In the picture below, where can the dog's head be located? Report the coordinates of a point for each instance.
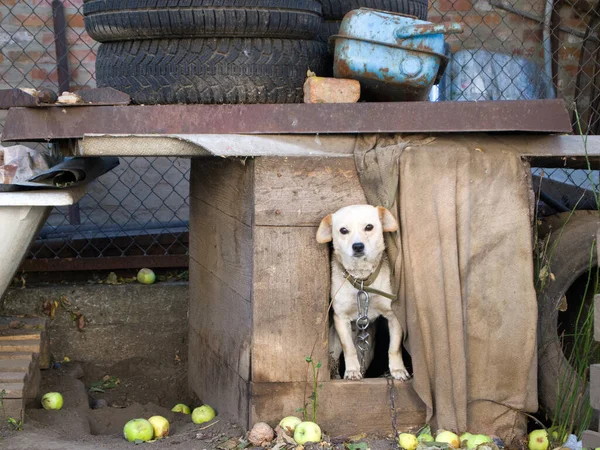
(357, 232)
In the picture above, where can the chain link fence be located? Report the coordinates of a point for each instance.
(139, 210)
(509, 50)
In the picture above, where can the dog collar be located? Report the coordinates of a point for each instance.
(364, 284)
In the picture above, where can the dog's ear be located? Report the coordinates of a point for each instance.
(325, 230)
(387, 219)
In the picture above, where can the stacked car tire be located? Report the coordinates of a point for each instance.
(218, 51)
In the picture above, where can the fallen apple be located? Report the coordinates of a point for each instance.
(260, 434)
(538, 440)
(289, 423)
(425, 437)
(448, 437)
(203, 414)
(138, 430)
(146, 276)
(181, 408)
(464, 437)
(477, 439)
(160, 425)
(52, 401)
(408, 441)
(307, 432)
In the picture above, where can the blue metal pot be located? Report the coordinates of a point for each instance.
(395, 57)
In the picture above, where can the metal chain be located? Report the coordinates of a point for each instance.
(362, 323)
(392, 392)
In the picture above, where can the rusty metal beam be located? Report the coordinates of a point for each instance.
(538, 116)
(105, 263)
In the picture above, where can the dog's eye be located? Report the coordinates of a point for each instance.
(369, 227)
(344, 231)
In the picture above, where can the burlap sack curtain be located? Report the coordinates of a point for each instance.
(463, 266)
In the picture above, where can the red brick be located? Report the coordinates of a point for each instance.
(38, 74)
(31, 20)
(75, 21)
(492, 19)
(331, 90)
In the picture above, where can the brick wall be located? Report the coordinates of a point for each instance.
(27, 56)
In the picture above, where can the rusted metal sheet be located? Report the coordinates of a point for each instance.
(104, 263)
(104, 96)
(11, 98)
(540, 116)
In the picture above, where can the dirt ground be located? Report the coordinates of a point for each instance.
(95, 420)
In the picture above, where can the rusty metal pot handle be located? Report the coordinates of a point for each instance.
(424, 29)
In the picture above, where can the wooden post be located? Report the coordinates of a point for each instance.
(591, 439)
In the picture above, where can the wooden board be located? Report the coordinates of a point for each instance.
(221, 318)
(222, 245)
(216, 384)
(301, 191)
(345, 407)
(291, 294)
(225, 184)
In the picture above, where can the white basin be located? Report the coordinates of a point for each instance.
(22, 214)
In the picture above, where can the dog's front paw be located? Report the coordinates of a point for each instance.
(353, 375)
(400, 374)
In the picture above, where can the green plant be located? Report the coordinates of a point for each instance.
(313, 397)
(16, 424)
(573, 413)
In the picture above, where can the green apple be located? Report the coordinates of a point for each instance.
(477, 439)
(203, 414)
(146, 276)
(538, 440)
(307, 432)
(448, 437)
(464, 437)
(181, 408)
(425, 437)
(408, 441)
(138, 430)
(160, 425)
(52, 401)
(289, 423)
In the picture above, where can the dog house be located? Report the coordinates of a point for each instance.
(260, 293)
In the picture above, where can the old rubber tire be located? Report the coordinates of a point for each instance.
(337, 9)
(327, 29)
(219, 70)
(572, 240)
(118, 20)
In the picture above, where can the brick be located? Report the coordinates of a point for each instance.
(75, 21)
(331, 90)
(31, 20)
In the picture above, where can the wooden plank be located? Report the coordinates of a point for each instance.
(13, 377)
(8, 355)
(13, 390)
(225, 184)
(221, 318)
(216, 384)
(595, 386)
(15, 365)
(345, 407)
(21, 323)
(20, 346)
(591, 439)
(222, 245)
(16, 335)
(301, 191)
(291, 292)
(597, 316)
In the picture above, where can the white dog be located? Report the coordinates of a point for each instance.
(359, 257)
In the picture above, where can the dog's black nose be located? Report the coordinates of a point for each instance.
(358, 247)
